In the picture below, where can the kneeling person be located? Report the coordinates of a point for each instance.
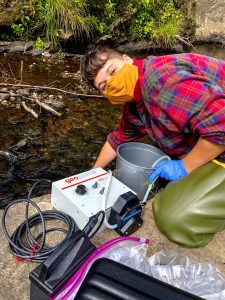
(179, 102)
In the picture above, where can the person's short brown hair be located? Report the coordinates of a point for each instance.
(94, 60)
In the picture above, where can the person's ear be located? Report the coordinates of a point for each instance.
(127, 59)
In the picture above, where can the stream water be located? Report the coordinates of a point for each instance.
(55, 147)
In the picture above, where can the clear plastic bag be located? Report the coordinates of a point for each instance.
(201, 279)
(129, 251)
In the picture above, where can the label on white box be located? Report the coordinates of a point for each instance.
(80, 196)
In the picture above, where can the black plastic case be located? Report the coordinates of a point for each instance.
(49, 277)
(110, 280)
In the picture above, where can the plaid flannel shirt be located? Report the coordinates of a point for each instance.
(178, 98)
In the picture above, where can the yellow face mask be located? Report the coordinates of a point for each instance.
(120, 88)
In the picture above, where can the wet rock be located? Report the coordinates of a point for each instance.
(106, 40)
(34, 52)
(177, 48)
(5, 175)
(4, 102)
(67, 74)
(33, 66)
(17, 47)
(46, 54)
(5, 43)
(78, 56)
(21, 144)
(209, 17)
(28, 46)
(24, 92)
(4, 90)
(4, 96)
(34, 95)
(49, 47)
(11, 158)
(4, 49)
(55, 104)
(146, 47)
(12, 94)
(138, 47)
(12, 99)
(75, 56)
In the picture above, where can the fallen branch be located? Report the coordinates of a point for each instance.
(49, 88)
(29, 110)
(21, 71)
(183, 40)
(48, 108)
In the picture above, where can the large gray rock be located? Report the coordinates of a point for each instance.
(4, 96)
(15, 47)
(209, 16)
(34, 52)
(18, 47)
(5, 43)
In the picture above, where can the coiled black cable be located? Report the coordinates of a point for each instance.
(24, 245)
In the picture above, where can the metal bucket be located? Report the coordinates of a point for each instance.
(135, 162)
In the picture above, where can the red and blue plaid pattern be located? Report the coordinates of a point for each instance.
(183, 98)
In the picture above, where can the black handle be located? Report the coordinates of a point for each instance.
(71, 245)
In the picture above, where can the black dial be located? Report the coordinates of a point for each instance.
(81, 189)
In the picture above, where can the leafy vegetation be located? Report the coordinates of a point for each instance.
(39, 44)
(155, 20)
(68, 17)
(18, 30)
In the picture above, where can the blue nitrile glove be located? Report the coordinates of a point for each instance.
(170, 170)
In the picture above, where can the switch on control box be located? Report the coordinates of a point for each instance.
(80, 196)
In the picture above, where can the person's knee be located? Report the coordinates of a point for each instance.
(177, 225)
(165, 219)
(191, 210)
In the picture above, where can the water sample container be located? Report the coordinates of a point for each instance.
(135, 162)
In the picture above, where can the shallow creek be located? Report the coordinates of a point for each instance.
(55, 147)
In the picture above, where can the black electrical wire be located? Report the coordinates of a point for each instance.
(24, 245)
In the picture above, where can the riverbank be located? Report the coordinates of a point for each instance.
(59, 147)
(15, 275)
(28, 48)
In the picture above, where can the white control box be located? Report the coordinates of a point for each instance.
(80, 196)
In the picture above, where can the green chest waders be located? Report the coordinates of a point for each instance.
(191, 210)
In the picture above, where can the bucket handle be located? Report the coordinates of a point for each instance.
(129, 168)
(150, 186)
(153, 167)
(159, 159)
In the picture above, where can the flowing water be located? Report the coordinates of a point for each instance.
(54, 147)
